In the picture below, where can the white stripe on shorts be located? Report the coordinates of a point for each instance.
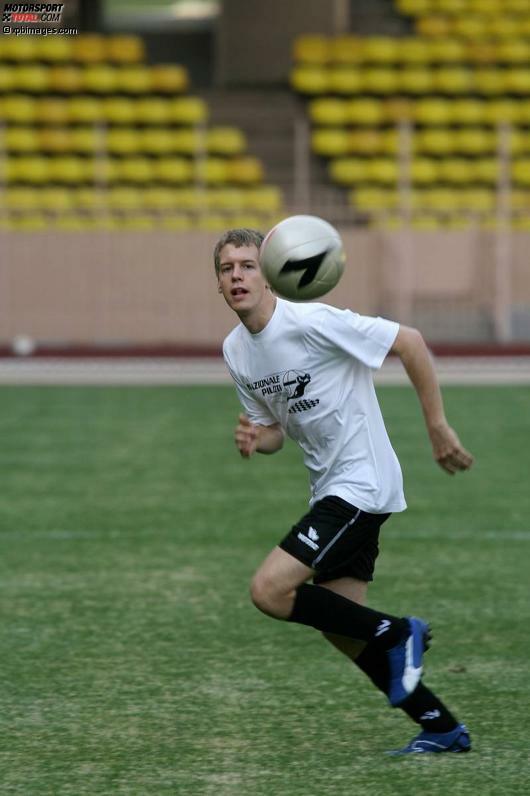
(335, 539)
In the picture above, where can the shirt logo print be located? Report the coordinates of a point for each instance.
(304, 405)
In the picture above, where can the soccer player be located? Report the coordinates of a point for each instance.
(305, 370)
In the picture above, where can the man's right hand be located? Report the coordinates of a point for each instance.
(246, 436)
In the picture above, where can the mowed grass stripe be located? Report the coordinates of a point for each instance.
(133, 662)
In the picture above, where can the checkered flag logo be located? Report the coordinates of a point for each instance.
(302, 406)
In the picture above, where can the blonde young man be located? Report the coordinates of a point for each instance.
(305, 370)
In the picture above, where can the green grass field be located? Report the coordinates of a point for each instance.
(132, 660)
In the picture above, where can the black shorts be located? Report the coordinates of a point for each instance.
(337, 540)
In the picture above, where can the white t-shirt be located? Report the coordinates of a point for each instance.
(309, 369)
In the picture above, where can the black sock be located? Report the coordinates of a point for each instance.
(422, 705)
(425, 708)
(331, 613)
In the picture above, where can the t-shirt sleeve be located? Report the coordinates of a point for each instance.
(367, 339)
(256, 412)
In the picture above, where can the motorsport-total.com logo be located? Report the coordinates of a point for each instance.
(32, 12)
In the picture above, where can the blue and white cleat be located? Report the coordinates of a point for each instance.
(405, 661)
(457, 740)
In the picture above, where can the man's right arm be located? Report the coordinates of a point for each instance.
(252, 438)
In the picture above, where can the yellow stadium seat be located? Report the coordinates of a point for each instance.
(478, 200)
(370, 198)
(447, 51)
(414, 7)
(365, 142)
(469, 111)
(34, 170)
(173, 170)
(519, 142)
(384, 171)
(22, 198)
(19, 48)
(224, 199)
(55, 49)
(134, 79)
(56, 199)
(100, 79)
(474, 141)
(414, 51)
(246, 170)
(456, 7)
(439, 199)
(455, 171)
(190, 198)
(118, 110)
(55, 140)
(434, 26)
(225, 141)
(125, 49)
(188, 141)
(89, 48)
(150, 110)
(32, 78)
(433, 111)
(470, 27)
(381, 80)
(265, 198)
(485, 7)
(379, 49)
(482, 53)
(311, 80)
(503, 25)
(435, 141)
(67, 169)
(329, 142)
(328, 111)
(156, 141)
(7, 79)
(513, 51)
(517, 81)
(416, 81)
(66, 79)
(85, 109)
(390, 141)
(346, 50)
(89, 198)
(123, 141)
(86, 140)
(424, 171)
(399, 109)
(349, 171)
(135, 170)
(453, 80)
(366, 112)
(125, 198)
(521, 171)
(102, 170)
(523, 111)
(211, 171)
(489, 82)
(30, 222)
(158, 198)
(169, 78)
(312, 49)
(188, 110)
(345, 80)
(486, 170)
(52, 110)
(21, 139)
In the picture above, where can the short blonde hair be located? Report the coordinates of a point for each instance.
(238, 238)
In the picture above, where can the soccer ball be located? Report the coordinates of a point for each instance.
(302, 257)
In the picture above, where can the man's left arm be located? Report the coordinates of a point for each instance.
(448, 451)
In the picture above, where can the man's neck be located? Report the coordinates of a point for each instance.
(258, 318)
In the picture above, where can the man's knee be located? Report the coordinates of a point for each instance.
(269, 598)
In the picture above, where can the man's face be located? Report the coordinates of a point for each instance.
(240, 279)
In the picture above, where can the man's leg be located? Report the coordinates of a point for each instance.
(279, 589)
(422, 705)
